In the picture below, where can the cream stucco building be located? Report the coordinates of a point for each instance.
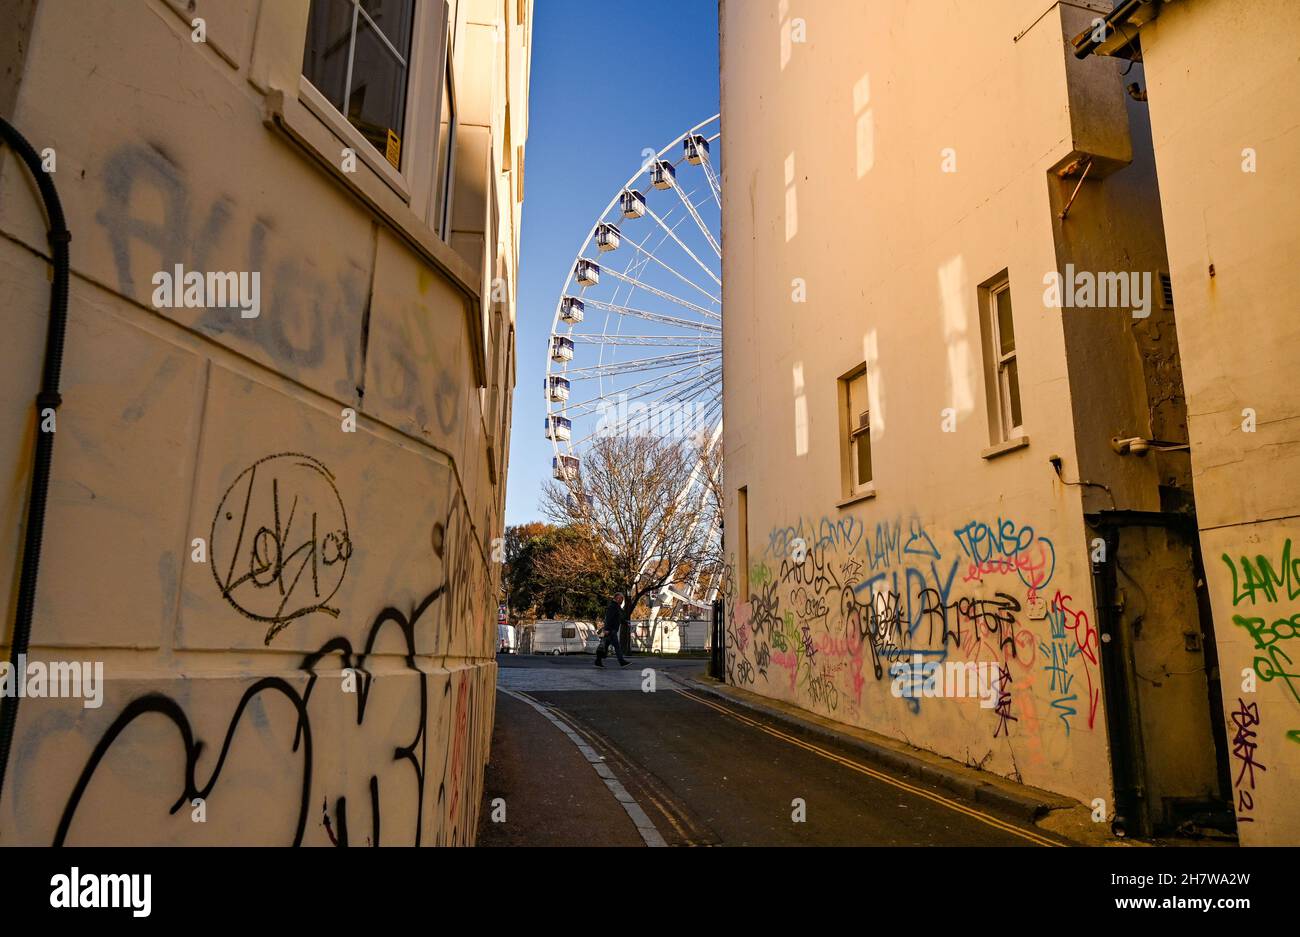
(972, 327)
(273, 521)
(1228, 158)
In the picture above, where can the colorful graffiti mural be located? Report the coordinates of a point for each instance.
(837, 607)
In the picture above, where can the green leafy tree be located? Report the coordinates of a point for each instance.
(553, 572)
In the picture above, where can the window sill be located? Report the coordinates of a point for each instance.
(297, 124)
(349, 136)
(1002, 448)
(866, 494)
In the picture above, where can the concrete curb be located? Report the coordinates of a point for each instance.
(650, 835)
(1028, 804)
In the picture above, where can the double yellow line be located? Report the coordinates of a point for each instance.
(879, 776)
(611, 754)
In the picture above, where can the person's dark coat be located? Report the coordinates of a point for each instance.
(613, 617)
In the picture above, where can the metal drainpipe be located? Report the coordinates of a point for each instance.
(47, 399)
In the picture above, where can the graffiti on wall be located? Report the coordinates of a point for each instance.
(1073, 638)
(1006, 547)
(372, 768)
(153, 221)
(1244, 719)
(835, 605)
(1261, 580)
(410, 748)
(281, 543)
(1266, 589)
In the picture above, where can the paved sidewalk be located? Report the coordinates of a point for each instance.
(552, 796)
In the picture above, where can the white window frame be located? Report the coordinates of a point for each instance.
(432, 34)
(1001, 361)
(851, 427)
(855, 478)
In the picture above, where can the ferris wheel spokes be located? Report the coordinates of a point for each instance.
(673, 234)
(635, 344)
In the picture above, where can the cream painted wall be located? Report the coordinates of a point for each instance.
(892, 251)
(1239, 338)
(188, 423)
(846, 241)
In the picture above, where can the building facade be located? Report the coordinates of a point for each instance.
(1227, 156)
(951, 255)
(280, 457)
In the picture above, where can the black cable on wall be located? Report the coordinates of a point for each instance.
(46, 399)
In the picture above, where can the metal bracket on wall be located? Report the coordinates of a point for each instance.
(1084, 175)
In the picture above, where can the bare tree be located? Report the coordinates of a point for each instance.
(638, 499)
(710, 459)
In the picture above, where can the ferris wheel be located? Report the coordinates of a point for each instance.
(636, 340)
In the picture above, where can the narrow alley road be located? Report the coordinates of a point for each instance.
(582, 755)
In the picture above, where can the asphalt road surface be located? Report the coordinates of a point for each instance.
(584, 756)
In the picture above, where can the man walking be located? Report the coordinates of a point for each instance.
(609, 634)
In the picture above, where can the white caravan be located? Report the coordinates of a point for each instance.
(560, 637)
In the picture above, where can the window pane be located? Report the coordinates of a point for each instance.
(394, 18)
(857, 398)
(329, 36)
(862, 447)
(442, 164)
(377, 98)
(1006, 331)
(1013, 392)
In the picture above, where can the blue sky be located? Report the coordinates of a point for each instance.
(608, 80)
